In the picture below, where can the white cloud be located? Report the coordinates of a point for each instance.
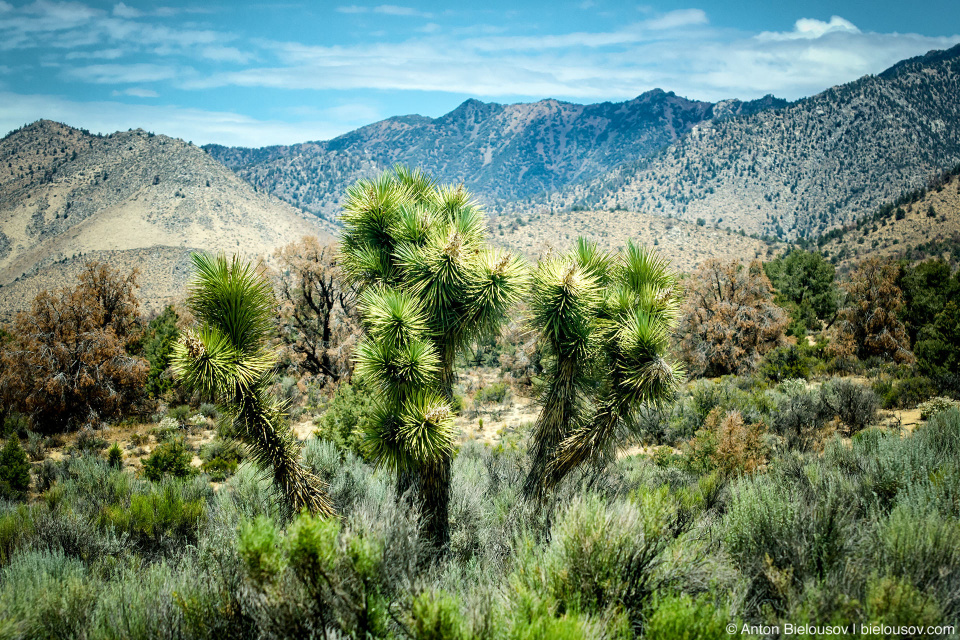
(104, 54)
(810, 28)
(123, 11)
(5, 6)
(385, 9)
(226, 54)
(677, 19)
(200, 126)
(136, 92)
(122, 73)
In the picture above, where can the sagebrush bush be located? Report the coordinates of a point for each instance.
(169, 458)
(14, 470)
(855, 405)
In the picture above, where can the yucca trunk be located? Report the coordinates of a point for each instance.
(275, 447)
(558, 414)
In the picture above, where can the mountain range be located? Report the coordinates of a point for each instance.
(696, 179)
(132, 198)
(500, 152)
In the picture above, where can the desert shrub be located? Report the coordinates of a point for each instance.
(49, 596)
(349, 411)
(68, 364)
(896, 602)
(868, 324)
(208, 410)
(726, 443)
(169, 458)
(855, 405)
(14, 470)
(902, 393)
(799, 420)
(933, 406)
(783, 534)
(925, 550)
(16, 526)
(220, 459)
(729, 320)
(682, 617)
(492, 393)
(165, 514)
(181, 413)
(89, 441)
(787, 362)
(36, 446)
(602, 555)
(435, 615)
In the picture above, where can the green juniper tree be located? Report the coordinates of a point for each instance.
(605, 321)
(430, 286)
(227, 357)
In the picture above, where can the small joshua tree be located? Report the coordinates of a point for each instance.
(430, 285)
(605, 321)
(227, 357)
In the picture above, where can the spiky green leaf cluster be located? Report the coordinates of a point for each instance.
(606, 321)
(430, 285)
(228, 357)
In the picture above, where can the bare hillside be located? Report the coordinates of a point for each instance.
(806, 168)
(67, 195)
(921, 224)
(686, 245)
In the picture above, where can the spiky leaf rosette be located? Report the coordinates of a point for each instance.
(227, 357)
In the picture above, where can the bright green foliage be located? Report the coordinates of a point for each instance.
(430, 284)
(155, 516)
(606, 320)
(258, 546)
(436, 616)
(804, 282)
(115, 456)
(685, 618)
(14, 470)
(169, 458)
(158, 341)
(345, 418)
(228, 357)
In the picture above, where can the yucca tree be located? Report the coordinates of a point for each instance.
(431, 285)
(227, 357)
(605, 320)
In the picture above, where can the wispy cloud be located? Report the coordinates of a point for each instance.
(136, 92)
(676, 51)
(386, 9)
(123, 73)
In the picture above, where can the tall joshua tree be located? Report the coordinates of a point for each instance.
(605, 320)
(430, 285)
(227, 357)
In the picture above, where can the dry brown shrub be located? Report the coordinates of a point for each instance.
(67, 364)
(867, 325)
(319, 322)
(729, 320)
(728, 444)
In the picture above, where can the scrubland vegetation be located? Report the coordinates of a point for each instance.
(751, 444)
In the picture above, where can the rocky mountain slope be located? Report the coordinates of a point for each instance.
(811, 166)
(132, 198)
(499, 151)
(921, 224)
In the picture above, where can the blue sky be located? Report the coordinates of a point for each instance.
(255, 73)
